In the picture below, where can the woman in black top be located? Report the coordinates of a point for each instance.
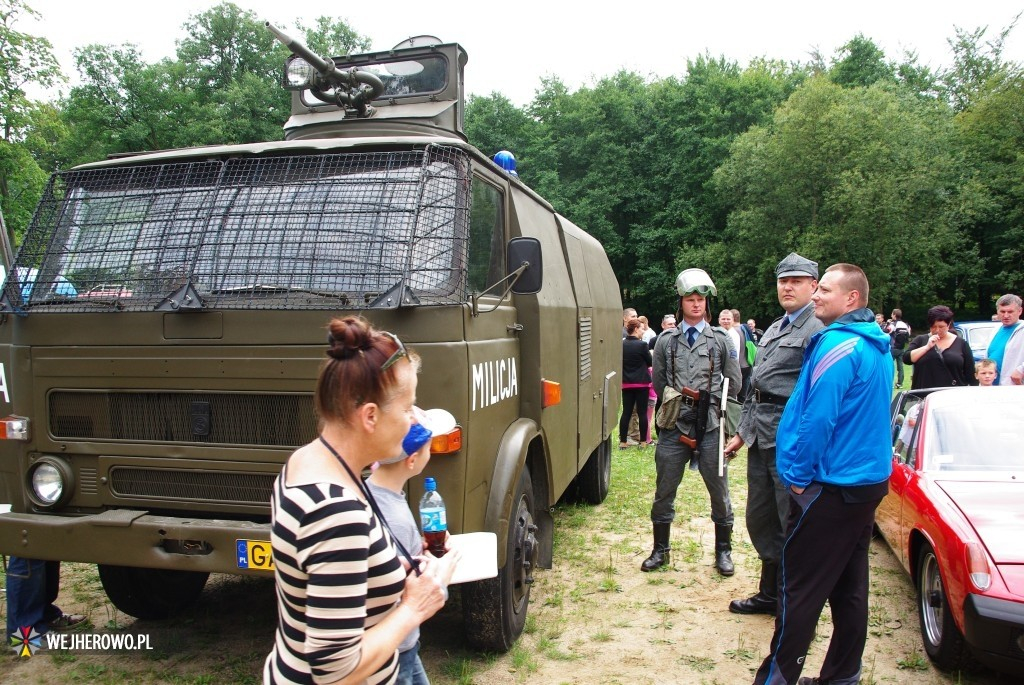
(941, 358)
(636, 380)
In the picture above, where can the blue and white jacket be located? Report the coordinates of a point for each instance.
(835, 428)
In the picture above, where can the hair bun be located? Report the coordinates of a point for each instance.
(347, 337)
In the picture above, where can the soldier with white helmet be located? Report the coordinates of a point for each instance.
(692, 359)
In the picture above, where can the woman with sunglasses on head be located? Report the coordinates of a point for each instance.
(347, 595)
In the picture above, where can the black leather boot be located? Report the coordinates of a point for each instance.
(660, 555)
(723, 550)
(767, 593)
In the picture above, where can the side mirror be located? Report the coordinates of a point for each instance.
(525, 252)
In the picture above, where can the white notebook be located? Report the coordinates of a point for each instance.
(479, 556)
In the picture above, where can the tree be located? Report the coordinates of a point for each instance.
(860, 63)
(23, 183)
(976, 62)
(992, 131)
(593, 140)
(222, 88)
(123, 105)
(694, 122)
(223, 43)
(493, 123)
(23, 59)
(861, 175)
(330, 38)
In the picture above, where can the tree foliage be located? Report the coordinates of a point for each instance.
(861, 175)
(913, 173)
(24, 59)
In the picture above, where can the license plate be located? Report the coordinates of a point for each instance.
(254, 554)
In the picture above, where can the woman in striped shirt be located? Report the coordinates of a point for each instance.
(344, 600)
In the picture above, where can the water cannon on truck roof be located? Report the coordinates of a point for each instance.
(352, 87)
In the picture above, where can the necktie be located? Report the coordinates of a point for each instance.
(785, 322)
(691, 335)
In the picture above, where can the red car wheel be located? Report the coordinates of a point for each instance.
(943, 641)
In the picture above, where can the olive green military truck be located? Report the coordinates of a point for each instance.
(163, 321)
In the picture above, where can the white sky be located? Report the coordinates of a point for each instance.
(513, 45)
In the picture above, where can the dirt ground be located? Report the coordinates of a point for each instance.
(594, 618)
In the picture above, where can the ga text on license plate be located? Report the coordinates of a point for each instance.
(254, 554)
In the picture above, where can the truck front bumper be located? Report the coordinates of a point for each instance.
(134, 538)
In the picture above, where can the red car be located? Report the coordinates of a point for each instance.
(954, 516)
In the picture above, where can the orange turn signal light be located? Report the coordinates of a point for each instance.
(551, 393)
(447, 443)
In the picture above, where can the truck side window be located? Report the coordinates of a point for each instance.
(486, 236)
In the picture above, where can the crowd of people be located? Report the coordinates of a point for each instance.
(816, 390)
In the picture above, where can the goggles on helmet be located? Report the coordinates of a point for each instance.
(695, 281)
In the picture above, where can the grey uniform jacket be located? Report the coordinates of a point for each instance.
(776, 368)
(693, 365)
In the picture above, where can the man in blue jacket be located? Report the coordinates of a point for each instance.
(833, 452)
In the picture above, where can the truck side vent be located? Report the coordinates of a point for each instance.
(205, 486)
(87, 481)
(586, 330)
(350, 230)
(234, 418)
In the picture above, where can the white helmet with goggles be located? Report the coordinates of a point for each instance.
(695, 281)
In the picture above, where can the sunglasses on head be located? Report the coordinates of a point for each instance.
(399, 352)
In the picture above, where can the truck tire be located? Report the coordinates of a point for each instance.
(151, 593)
(595, 478)
(494, 610)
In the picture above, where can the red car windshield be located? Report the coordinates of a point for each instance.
(985, 434)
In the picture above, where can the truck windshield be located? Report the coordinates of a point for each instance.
(314, 232)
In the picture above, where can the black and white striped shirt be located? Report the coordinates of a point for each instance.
(337, 574)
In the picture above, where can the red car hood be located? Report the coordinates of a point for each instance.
(996, 510)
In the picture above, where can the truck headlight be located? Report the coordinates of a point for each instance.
(50, 482)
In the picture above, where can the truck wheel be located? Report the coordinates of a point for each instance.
(943, 641)
(151, 593)
(494, 610)
(593, 481)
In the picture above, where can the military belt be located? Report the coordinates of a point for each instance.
(769, 398)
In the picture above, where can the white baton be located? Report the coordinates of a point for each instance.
(721, 426)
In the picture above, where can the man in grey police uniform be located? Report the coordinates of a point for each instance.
(710, 355)
(776, 368)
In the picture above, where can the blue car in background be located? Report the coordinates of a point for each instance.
(27, 278)
(978, 335)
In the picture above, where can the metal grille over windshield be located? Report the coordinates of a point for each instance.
(333, 231)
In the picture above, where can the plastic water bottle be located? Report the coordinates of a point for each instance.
(433, 518)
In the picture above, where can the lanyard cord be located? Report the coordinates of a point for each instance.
(413, 563)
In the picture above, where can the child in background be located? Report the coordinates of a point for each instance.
(387, 483)
(985, 372)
